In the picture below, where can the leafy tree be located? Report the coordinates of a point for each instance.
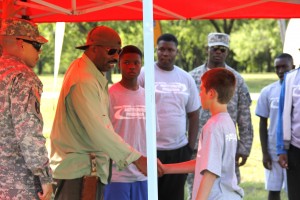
(256, 43)
(253, 46)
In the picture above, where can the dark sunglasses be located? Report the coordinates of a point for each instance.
(221, 48)
(110, 51)
(35, 44)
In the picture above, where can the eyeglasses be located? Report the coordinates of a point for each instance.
(110, 51)
(35, 44)
(221, 48)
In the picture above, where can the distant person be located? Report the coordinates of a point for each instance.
(83, 141)
(127, 114)
(214, 166)
(238, 106)
(267, 108)
(288, 131)
(24, 162)
(177, 104)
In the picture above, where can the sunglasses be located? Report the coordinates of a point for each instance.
(110, 51)
(35, 44)
(221, 48)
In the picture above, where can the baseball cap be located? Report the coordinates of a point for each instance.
(21, 28)
(102, 35)
(218, 39)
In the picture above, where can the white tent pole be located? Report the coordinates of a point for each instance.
(292, 40)
(150, 97)
(59, 38)
(282, 28)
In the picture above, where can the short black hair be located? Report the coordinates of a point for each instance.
(168, 38)
(130, 49)
(287, 56)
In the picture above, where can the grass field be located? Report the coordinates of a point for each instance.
(252, 173)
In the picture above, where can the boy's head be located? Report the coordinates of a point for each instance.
(130, 61)
(219, 81)
(283, 63)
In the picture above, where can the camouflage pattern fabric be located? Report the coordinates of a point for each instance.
(239, 110)
(21, 28)
(22, 145)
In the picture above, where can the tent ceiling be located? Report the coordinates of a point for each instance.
(103, 10)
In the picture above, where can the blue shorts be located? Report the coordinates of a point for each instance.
(126, 191)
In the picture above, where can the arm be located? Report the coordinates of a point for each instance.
(180, 168)
(263, 133)
(244, 125)
(193, 121)
(91, 108)
(28, 125)
(206, 184)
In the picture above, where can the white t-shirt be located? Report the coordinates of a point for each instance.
(267, 107)
(216, 153)
(127, 114)
(176, 95)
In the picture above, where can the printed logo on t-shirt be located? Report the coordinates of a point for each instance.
(231, 137)
(130, 112)
(163, 87)
(296, 90)
(274, 103)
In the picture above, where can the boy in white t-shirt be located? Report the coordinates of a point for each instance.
(214, 166)
(127, 114)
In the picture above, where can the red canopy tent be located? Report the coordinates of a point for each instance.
(103, 10)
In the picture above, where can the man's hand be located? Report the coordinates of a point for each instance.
(47, 192)
(283, 161)
(237, 159)
(141, 164)
(267, 161)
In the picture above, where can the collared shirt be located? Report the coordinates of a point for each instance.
(288, 127)
(82, 126)
(238, 108)
(23, 153)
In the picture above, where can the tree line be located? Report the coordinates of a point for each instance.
(253, 46)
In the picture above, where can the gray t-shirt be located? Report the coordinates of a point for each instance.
(175, 95)
(127, 114)
(216, 153)
(267, 107)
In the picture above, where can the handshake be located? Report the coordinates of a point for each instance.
(141, 164)
(173, 168)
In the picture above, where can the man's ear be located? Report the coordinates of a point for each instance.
(213, 93)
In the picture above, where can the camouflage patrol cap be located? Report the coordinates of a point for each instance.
(21, 28)
(218, 39)
(102, 35)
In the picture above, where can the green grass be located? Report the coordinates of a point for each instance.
(252, 172)
(256, 82)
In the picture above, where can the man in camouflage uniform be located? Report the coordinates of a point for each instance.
(24, 163)
(239, 105)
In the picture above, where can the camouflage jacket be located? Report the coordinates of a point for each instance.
(23, 154)
(238, 108)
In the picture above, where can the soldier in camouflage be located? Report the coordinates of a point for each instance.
(239, 105)
(24, 163)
